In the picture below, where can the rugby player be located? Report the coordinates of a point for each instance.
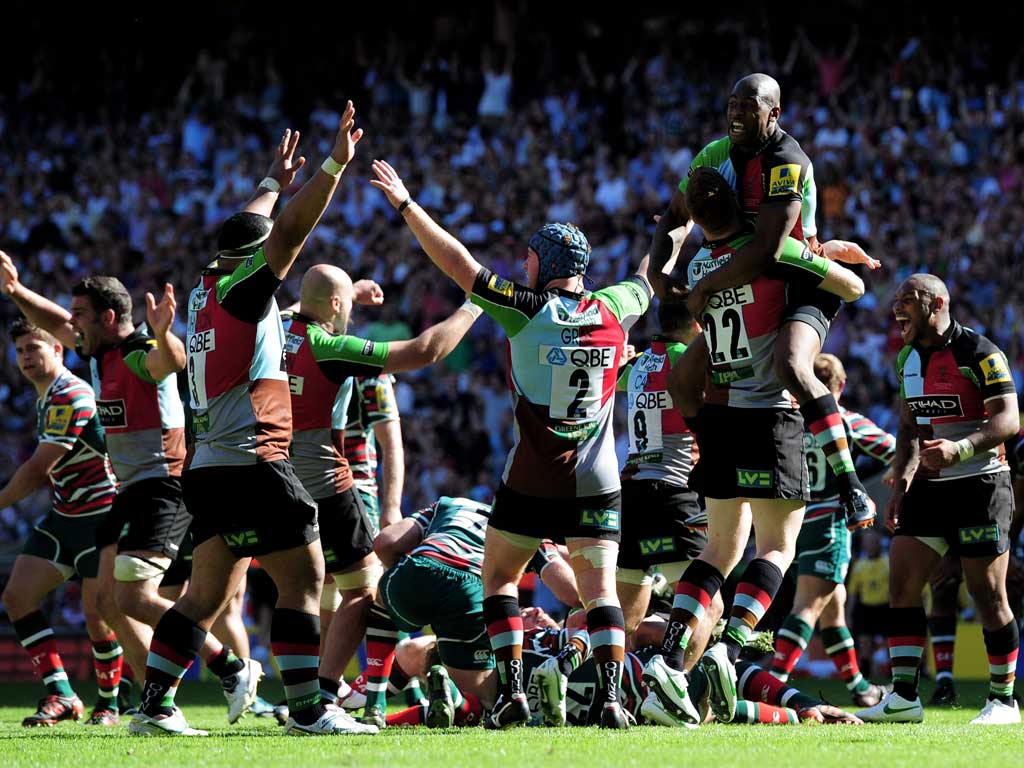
(561, 479)
(240, 486)
(374, 420)
(70, 455)
(322, 361)
(952, 493)
(751, 468)
(773, 179)
(823, 552)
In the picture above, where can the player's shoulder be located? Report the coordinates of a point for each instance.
(69, 388)
(140, 340)
(787, 146)
(716, 149)
(970, 341)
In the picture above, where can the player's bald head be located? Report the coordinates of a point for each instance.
(321, 282)
(925, 283)
(760, 86)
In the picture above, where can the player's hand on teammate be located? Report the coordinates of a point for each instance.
(938, 454)
(286, 166)
(892, 511)
(367, 293)
(8, 275)
(160, 317)
(346, 140)
(848, 253)
(389, 182)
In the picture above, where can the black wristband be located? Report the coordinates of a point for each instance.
(405, 204)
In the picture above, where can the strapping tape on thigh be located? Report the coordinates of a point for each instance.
(133, 568)
(360, 579)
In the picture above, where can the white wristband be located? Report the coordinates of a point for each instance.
(271, 185)
(965, 448)
(332, 167)
(472, 308)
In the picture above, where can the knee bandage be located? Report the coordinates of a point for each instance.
(597, 556)
(330, 598)
(363, 578)
(133, 568)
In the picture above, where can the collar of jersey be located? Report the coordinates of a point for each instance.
(746, 229)
(955, 329)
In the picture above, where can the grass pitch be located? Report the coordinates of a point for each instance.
(945, 739)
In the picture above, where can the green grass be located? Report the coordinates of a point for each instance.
(945, 739)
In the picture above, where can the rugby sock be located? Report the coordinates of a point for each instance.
(414, 691)
(468, 709)
(177, 641)
(415, 715)
(826, 426)
(224, 663)
(399, 680)
(755, 684)
(328, 690)
(756, 712)
(907, 630)
(790, 643)
(295, 643)
(505, 631)
(841, 649)
(608, 635)
(695, 589)
(381, 639)
(36, 637)
(943, 635)
(761, 580)
(1002, 645)
(107, 661)
(574, 652)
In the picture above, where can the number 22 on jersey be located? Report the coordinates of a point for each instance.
(724, 328)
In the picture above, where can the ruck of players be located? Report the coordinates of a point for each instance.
(257, 437)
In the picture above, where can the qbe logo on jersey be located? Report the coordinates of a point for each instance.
(199, 344)
(577, 378)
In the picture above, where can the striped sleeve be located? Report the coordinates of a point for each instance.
(425, 516)
(869, 437)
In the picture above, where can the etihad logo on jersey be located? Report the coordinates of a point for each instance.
(656, 546)
(241, 538)
(113, 413)
(995, 369)
(58, 419)
(935, 406)
(501, 286)
(784, 179)
(700, 267)
(753, 478)
(292, 343)
(979, 534)
(605, 519)
(590, 316)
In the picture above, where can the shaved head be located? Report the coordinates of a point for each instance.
(929, 284)
(326, 295)
(764, 88)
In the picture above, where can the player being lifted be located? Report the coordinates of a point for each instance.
(773, 179)
(952, 492)
(561, 479)
(751, 468)
(823, 552)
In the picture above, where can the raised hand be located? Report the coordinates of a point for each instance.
(368, 293)
(389, 182)
(285, 166)
(346, 140)
(160, 317)
(848, 253)
(8, 275)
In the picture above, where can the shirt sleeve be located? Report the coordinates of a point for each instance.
(622, 384)
(510, 304)
(992, 370)
(135, 353)
(340, 357)
(246, 292)
(713, 155)
(786, 167)
(378, 400)
(870, 438)
(424, 517)
(798, 265)
(627, 300)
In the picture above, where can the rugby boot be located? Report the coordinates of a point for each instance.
(998, 713)
(52, 709)
(508, 713)
(375, 716)
(173, 724)
(334, 721)
(893, 708)
(670, 687)
(858, 507)
(240, 689)
(613, 717)
(440, 707)
(721, 674)
(552, 687)
(103, 716)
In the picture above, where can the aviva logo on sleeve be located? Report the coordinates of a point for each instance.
(995, 369)
(753, 478)
(784, 179)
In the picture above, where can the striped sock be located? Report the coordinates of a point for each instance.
(574, 652)
(224, 663)
(761, 580)
(328, 690)
(1002, 646)
(415, 715)
(841, 649)
(608, 635)
(907, 630)
(826, 426)
(468, 709)
(36, 637)
(790, 643)
(381, 639)
(295, 643)
(107, 661)
(768, 714)
(505, 630)
(177, 641)
(695, 589)
(943, 635)
(755, 684)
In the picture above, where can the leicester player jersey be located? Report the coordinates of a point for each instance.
(373, 402)
(143, 418)
(946, 389)
(661, 446)
(320, 368)
(742, 323)
(778, 171)
(83, 481)
(564, 351)
(236, 379)
(866, 437)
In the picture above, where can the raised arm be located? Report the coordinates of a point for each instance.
(38, 309)
(303, 211)
(281, 175)
(434, 344)
(447, 253)
(664, 248)
(168, 356)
